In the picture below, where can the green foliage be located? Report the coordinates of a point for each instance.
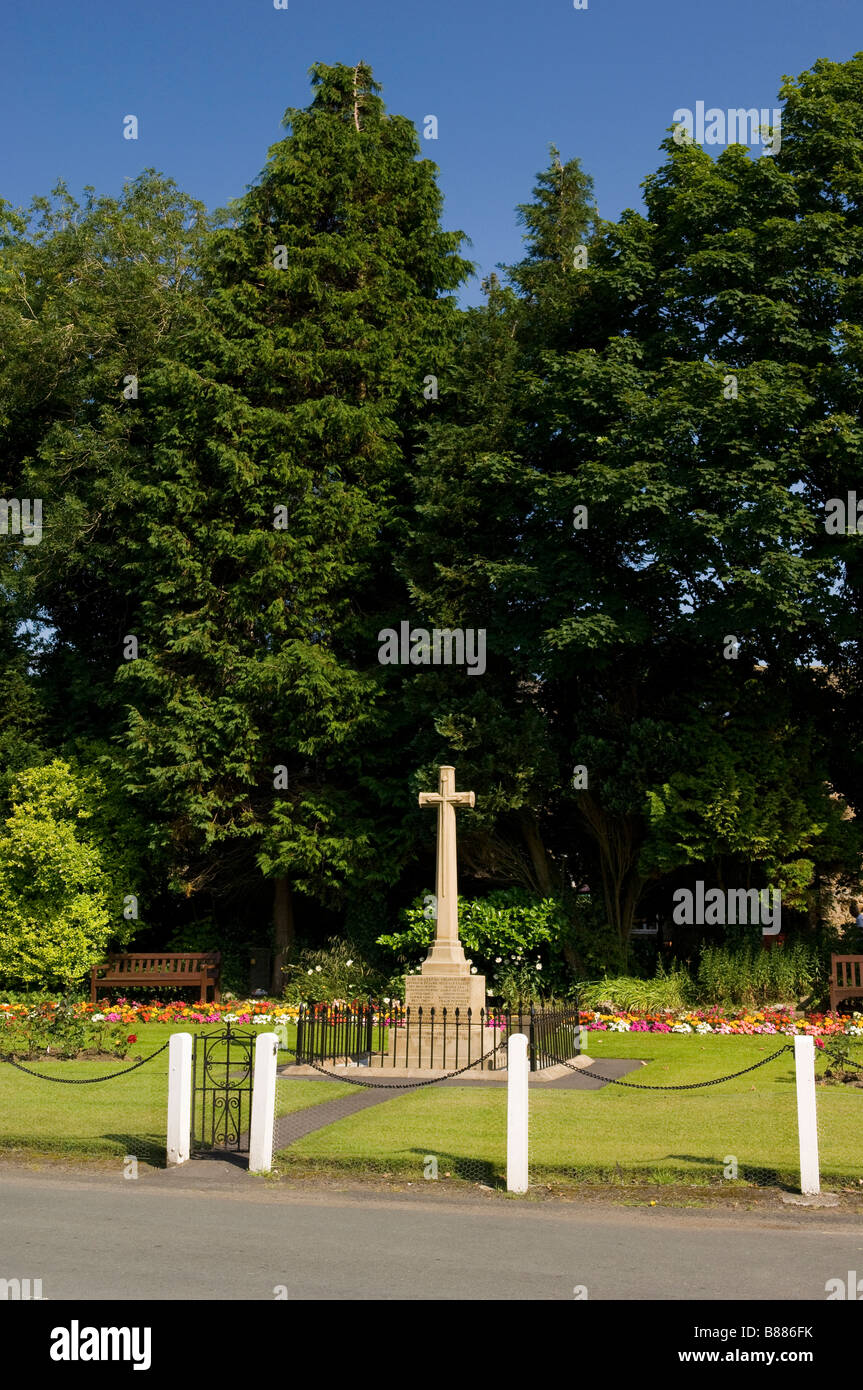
(294, 380)
(592, 945)
(749, 976)
(507, 929)
(667, 991)
(845, 1060)
(207, 936)
(60, 1032)
(338, 971)
(61, 887)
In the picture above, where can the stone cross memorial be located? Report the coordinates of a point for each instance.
(446, 981)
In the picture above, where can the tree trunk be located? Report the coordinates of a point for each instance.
(617, 841)
(538, 856)
(283, 933)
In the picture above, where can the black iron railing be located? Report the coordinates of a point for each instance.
(377, 1034)
(554, 1036)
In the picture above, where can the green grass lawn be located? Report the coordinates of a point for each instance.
(612, 1135)
(615, 1134)
(127, 1115)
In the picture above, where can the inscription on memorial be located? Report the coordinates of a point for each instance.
(439, 993)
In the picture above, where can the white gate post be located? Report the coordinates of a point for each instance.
(179, 1096)
(807, 1122)
(263, 1103)
(518, 1070)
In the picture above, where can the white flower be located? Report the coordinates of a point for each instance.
(539, 967)
(308, 972)
(473, 970)
(318, 969)
(497, 960)
(97, 1018)
(348, 962)
(385, 1001)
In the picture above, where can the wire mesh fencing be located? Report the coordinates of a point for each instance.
(839, 1108)
(649, 1112)
(102, 1108)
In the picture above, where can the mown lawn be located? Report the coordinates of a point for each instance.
(127, 1115)
(615, 1134)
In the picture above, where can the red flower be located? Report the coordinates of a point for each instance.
(819, 1042)
(133, 1037)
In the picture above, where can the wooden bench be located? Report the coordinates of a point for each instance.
(176, 969)
(846, 979)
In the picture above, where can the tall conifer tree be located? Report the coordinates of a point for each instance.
(283, 448)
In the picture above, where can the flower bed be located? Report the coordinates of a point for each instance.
(718, 1021)
(264, 1011)
(259, 1011)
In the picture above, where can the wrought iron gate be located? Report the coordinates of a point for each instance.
(222, 1076)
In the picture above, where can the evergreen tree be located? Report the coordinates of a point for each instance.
(283, 446)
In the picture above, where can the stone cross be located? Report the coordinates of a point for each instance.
(446, 956)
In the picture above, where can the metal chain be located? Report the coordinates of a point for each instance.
(87, 1080)
(688, 1086)
(394, 1085)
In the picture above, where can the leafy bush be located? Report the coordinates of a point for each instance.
(337, 971)
(845, 1062)
(673, 990)
(749, 976)
(61, 884)
(511, 936)
(60, 1032)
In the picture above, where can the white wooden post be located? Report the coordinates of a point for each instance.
(518, 1070)
(807, 1122)
(179, 1096)
(263, 1103)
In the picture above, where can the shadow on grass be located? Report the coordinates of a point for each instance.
(146, 1150)
(756, 1176)
(467, 1169)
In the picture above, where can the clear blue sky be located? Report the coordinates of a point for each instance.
(210, 79)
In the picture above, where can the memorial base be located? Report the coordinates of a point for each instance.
(448, 992)
(430, 1047)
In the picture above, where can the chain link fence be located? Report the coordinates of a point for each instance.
(117, 1116)
(727, 1132)
(683, 1120)
(839, 1102)
(389, 1143)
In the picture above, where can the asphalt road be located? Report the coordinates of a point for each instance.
(209, 1231)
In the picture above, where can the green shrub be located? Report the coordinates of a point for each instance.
(60, 1032)
(592, 944)
(512, 937)
(673, 990)
(336, 971)
(61, 883)
(749, 977)
(207, 936)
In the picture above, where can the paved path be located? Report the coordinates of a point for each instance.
(208, 1230)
